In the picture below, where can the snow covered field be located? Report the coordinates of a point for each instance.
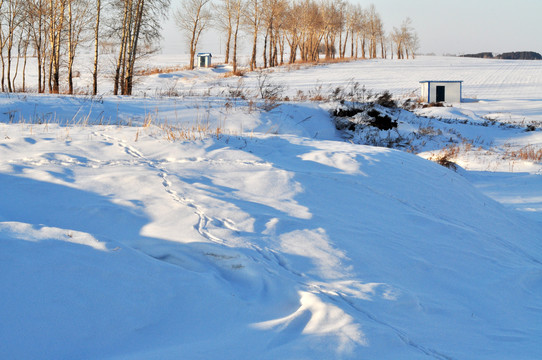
(202, 226)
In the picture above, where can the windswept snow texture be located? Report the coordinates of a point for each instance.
(273, 239)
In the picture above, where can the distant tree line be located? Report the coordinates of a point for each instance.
(53, 31)
(280, 31)
(296, 29)
(516, 55)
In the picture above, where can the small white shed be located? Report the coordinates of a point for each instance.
(434, 91)
(204, 59)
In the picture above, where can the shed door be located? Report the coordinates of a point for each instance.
(202, 61)
(440, 93)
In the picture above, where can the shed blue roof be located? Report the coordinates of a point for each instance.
(441, 81)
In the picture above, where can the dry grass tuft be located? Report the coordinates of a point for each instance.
(148, 121)
(233, 73)
(159, 70)
(527, 153)
(199, 131)
(446, 156)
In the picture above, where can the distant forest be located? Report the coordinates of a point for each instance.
(517, 55)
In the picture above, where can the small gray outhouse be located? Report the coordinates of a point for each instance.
(204, 59)
(434, 91)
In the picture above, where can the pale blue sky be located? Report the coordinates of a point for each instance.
(464, 26)
(453, 26)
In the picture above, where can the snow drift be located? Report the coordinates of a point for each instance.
(275, 246)
(272, 238)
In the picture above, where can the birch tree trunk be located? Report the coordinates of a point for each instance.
(96, 48)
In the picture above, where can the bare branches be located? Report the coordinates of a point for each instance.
(55, 29)
(192, 18)
(11, 25)
(225, 10)
(405, 40)
(141, 24)
(237, 10)
(252, 17)
(78, 25)
(96, 47)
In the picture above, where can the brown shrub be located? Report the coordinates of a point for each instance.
(528, 153)
(446, 156)
(232, 73)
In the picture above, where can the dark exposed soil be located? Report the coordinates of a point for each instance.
(381, 122)
(376, 118)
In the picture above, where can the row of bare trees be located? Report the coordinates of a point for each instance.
(53, 31)
(297, 29)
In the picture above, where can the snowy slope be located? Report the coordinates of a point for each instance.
(273, 239)
(275, 246)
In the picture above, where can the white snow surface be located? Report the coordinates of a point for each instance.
(273, 238)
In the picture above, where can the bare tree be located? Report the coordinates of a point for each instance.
(141, 23)
(375, 30)
(405, 40)
(24, 43)
(279, 35)
(341, 26)
(56, 13)
(252, 17)
(311, 30)
(238, 8)
(96, 47)
(78, 14)
(272, 11)
(192, 18)
(225, 10)
(2, 39)
(363, 31)
(410, 38)
(352, 20)
(397, 40)
(292, 28)
(36, 11)
(10, 27)
(333, 24)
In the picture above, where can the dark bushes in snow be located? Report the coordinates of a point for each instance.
(362, 115)
(348, 112)
(381, 122)
(386, 99)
